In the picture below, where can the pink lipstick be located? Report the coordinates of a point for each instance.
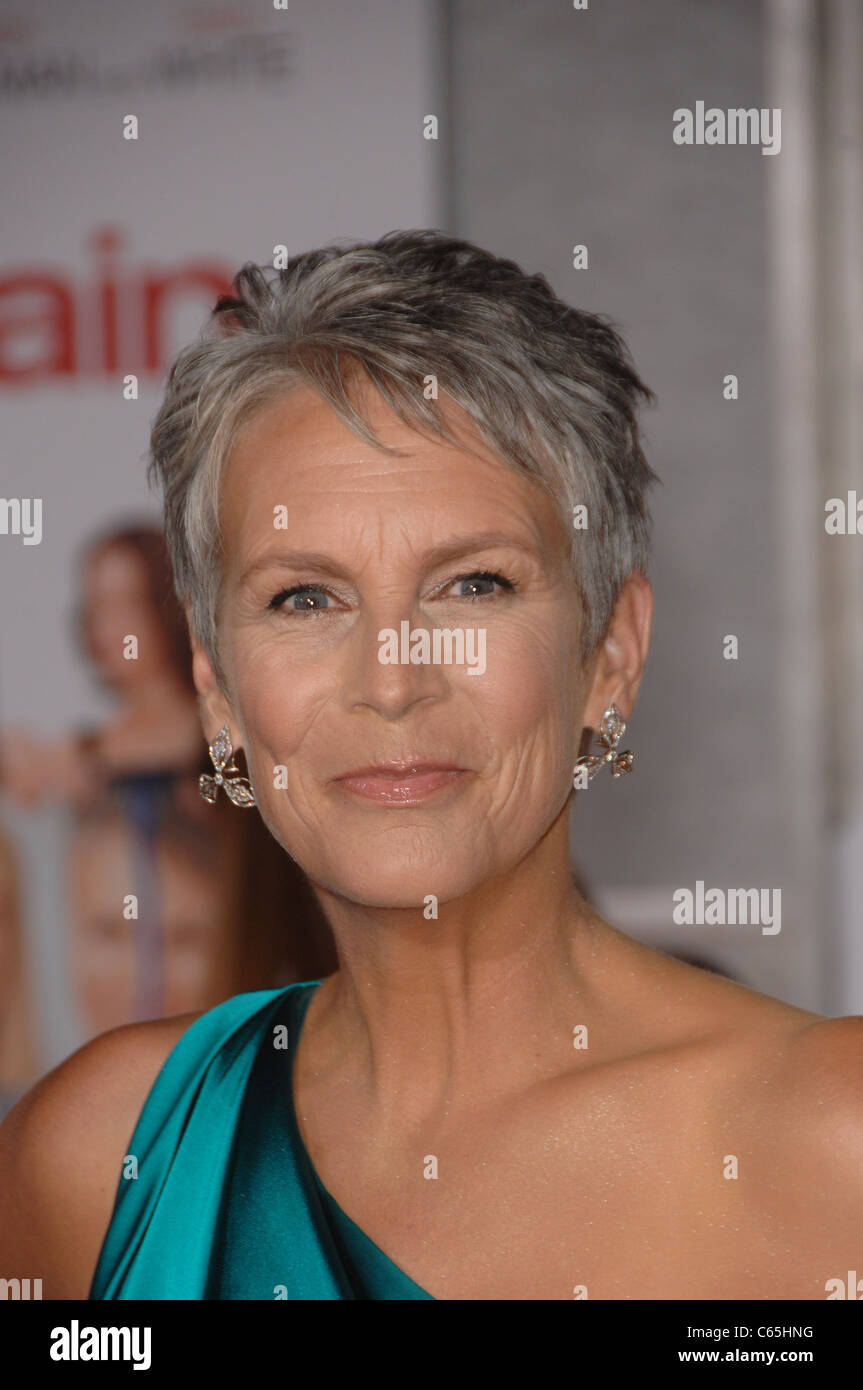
(401, 783)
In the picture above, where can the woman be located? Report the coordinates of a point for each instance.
(18, 1061)
(405, 501)
(132, 785)
(124, 589)
(194, 929)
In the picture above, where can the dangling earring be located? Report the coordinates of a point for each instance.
(611, 731)
(239, 789)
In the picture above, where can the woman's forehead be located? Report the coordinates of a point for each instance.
(301, 422)
(298, 452)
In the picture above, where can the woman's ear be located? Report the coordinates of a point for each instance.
(620, 662)
(213, 705)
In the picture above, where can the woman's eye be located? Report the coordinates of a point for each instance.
(308, 596)
(480, 584)
(311, 598)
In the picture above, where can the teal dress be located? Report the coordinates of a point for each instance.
(226, 1203)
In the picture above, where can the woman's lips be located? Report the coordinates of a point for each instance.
(405, 788)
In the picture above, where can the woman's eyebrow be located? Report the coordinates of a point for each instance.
(445, 550)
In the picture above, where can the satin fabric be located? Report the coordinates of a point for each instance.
(226, 1203)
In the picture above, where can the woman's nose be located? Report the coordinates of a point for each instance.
(379, 671)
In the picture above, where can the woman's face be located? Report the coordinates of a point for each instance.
(117, 604)
(377, 541)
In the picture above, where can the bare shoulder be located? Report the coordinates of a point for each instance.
(820, 1083)
(780, 1088)
(808, 1064)
(796, 1073)
(61, 1151)
(806, 1168)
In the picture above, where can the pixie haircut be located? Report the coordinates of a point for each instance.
(551, 389)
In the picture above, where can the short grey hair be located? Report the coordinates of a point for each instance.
(550, 388)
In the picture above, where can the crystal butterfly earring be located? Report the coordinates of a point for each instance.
(239, 789)
(611, 731)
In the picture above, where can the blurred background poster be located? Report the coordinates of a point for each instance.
(256, 128)
(544, 132)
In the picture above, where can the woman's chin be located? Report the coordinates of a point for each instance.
(394, 885)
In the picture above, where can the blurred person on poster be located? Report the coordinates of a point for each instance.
(18, 1062)
(140, 769)
(188, 862)
(130, 631)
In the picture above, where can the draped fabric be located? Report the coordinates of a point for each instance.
(226, 1203)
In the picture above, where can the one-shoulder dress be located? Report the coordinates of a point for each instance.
(222, 1200)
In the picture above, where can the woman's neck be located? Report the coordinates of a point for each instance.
(478, 1001)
